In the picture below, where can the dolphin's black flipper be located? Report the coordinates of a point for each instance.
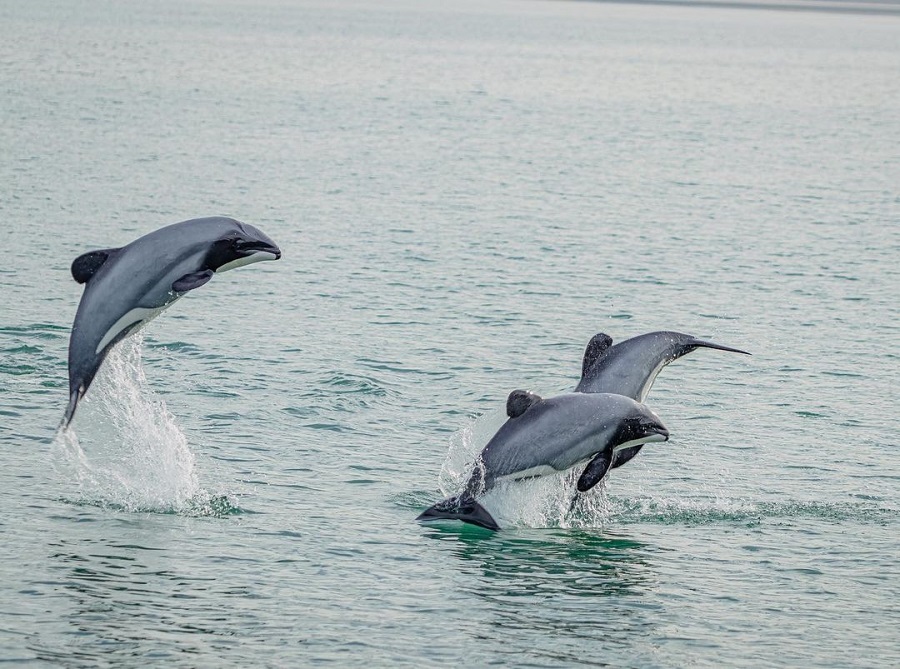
(85, 265)
(192, 280)
(624, 455)
(595, 471)
(457, 508)
(518, 402)
(596, 349)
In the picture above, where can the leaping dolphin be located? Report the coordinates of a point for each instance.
(127, 287)
(544, 436)
(630, 367)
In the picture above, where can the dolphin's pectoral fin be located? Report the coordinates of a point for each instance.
(85, 265)
(518, 402)
(192, 280)
(595, 471)
(625, 454)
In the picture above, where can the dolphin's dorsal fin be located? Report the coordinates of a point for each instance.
(192, 280)
(595, 470)
(596, 349)
(86, 265)
(518, 402)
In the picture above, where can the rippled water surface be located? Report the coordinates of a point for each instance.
(464, 195)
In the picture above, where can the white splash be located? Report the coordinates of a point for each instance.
(465, 445)
(131, 454)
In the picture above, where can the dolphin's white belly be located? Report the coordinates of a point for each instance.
(138, 315)
(532, 472)
(547, 470)
(539, 470)
(648, 384)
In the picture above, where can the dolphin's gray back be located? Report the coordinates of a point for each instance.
(558, 432)
(139, 275)
(630, 367)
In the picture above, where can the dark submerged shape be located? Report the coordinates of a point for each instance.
(630, 367)
(127, 287)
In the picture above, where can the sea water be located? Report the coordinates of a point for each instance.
(464, 194)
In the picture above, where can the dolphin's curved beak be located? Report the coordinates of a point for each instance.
(271, 248)
(656, 432)
(253, 246)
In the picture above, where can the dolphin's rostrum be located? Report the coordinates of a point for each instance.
(126, 287)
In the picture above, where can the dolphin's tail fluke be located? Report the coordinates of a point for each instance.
(70, 410)
(460, 508)
(698, 343)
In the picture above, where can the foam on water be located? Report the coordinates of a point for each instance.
(130, 453)
(725, 509)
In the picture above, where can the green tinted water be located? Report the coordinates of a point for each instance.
(464, 196)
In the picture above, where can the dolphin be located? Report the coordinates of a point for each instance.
(544, 436)
(630, 367)
(127, 287)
